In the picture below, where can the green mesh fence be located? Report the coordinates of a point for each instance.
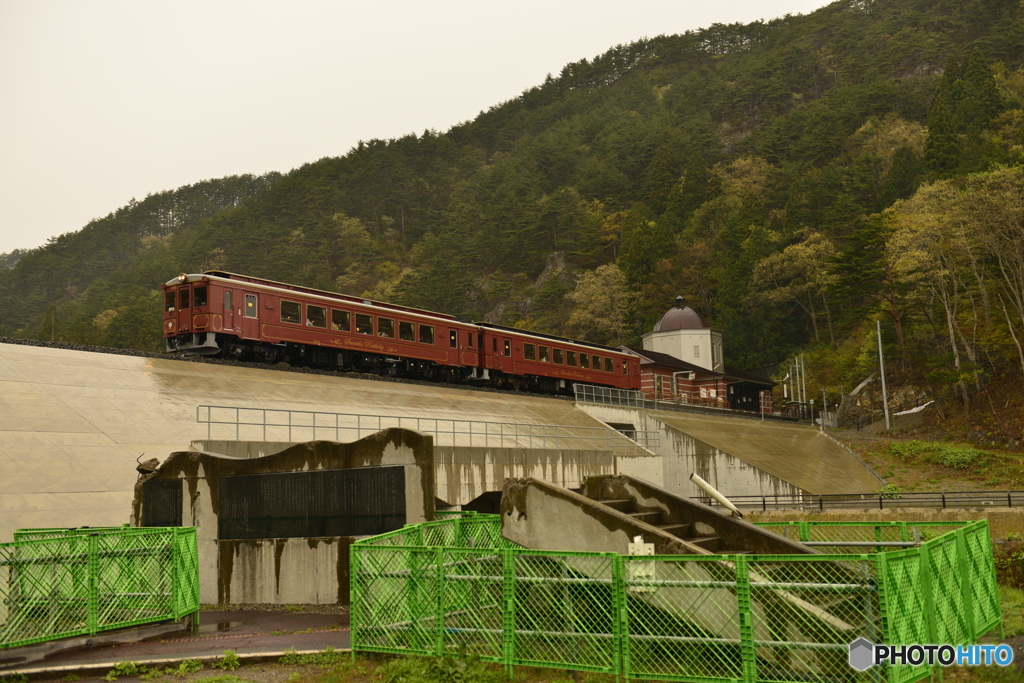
(456, 586)
(57, 583)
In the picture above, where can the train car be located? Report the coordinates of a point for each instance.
(236, 316)
(553, 364)
(219, 313)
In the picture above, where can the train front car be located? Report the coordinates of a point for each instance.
(191, 317)
(549, 364)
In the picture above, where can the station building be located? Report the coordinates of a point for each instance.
(682, 361)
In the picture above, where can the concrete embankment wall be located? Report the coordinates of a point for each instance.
(74, 423)
(740, 456)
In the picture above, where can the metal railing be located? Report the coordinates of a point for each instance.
(302, 425)
(58, 583)
(588, 393)
(455, 587)
(877, 501)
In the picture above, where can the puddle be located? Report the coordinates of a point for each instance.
(219, 626)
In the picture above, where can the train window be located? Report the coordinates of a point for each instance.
(529, 352)
(596, 361)
(624, 368)
(364, 324)
(250, 305)
(508, 348)
(557, 355)
(183, 298)
(545, 354)
(227, 300)
(291, 312)
(341, 321)
(386, 328)
(316, 316)
(469, 338)
(584, 361)
(168, 301)
(609, 365)
(570, 358)
(494, 345)
(199, 296)
(453, 339)
(480, 341)
(426, 334)
(406, 331)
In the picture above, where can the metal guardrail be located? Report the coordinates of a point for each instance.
(291, 425)
(456, 586)
(58, 583)
(878, 501)
(627, 398)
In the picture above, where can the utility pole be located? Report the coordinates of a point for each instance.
(824, 408)
(803, 377)
(881, 364)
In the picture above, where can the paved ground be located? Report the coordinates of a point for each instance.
(247, 632)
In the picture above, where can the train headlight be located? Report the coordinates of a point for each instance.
(183, 277)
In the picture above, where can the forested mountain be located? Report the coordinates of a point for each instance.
(795, 179)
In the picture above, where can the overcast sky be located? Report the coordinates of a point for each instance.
(105, 100)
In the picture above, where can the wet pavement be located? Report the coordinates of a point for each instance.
(246, 632)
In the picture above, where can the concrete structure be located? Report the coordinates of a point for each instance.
(242, 563)
(742, 456)
(610, 512)
(73, 425)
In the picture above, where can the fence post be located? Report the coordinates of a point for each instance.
(93, 565)
(746, 615)
(620, 623)
(508, 622)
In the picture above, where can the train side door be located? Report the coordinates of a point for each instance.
(228, 310)
(504, 355)
(250, 315)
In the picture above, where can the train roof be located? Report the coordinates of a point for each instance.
(541, 335)
(324, 293)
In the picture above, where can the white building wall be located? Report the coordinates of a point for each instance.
(703, 348)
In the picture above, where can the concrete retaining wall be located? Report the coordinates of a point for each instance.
(462, 473)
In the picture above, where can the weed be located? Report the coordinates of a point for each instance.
(124, 669)
(229, 662)
(187, 666)
(14, 678)
(294, 677)
(328, 657)
(223, 678)
(907, 449)
(71, 678)
(890, 491)
(294, 608)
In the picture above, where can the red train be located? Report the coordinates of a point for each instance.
(246, 318)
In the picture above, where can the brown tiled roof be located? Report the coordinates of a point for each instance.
(745, 376)
(667, 361)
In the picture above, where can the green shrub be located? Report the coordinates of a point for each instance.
(461, 669)
(908, 449)
(957, 458)
(890, 491)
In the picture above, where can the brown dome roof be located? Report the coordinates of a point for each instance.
(681, 317)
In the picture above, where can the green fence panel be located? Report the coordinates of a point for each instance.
(565, 612)
(56, 584)
(472, 602)
(458, 586)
